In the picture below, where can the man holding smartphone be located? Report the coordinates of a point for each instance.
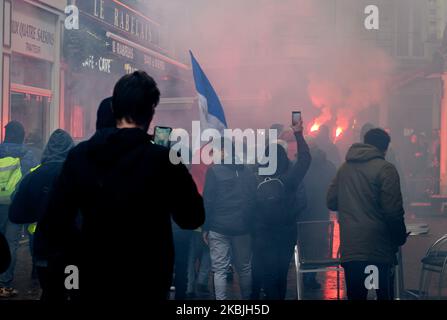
(123, 185)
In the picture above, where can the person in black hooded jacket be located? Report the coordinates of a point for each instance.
(30, 200)
(275, 230)
(123, 185)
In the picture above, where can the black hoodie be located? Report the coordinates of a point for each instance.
(124, 186)
(30, 200)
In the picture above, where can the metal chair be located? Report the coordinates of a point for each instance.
(314, 252)
(435, 261)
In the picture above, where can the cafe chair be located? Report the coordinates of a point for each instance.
(435, 261)
(314, 252)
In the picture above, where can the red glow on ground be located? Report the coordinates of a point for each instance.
(330, 281)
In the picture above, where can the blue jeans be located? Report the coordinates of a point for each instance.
(225, 249)
(12, 234)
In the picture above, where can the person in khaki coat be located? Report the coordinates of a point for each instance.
(366, 193)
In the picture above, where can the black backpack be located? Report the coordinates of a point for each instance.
(271, 202)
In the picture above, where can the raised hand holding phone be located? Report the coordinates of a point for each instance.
(297, 121)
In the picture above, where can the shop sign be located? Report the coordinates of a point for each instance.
(33, 35)
(130, 53)
(100, 64)
(129, 21)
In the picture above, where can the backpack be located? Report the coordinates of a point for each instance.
(271, 202)
(10, 175)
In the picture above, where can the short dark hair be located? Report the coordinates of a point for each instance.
(135, 97)
(378, 138)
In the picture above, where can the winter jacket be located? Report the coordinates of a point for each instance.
(291, 175)
(31, 198)
(126, 190)
(5, 255)
(229, 197)
(366, 193)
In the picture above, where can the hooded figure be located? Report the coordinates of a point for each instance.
(365, 225)
(274, 235)
(30, 201)
(366, 193)
(391, 156)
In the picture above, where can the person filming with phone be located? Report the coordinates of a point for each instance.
(274, 235)
(122, 185)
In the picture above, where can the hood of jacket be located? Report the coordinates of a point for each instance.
(58, 146)
(361, 152)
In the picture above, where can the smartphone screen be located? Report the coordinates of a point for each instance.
(161, 136)
(296, 117)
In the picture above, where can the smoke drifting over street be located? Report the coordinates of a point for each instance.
(241, 44)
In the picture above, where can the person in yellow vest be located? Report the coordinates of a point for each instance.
(16, 160)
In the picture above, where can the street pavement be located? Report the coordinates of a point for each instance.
(413, 251)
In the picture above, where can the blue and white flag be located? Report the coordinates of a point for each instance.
(212, 115)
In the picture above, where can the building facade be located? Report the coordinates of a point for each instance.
(116, 38)
(30, 68)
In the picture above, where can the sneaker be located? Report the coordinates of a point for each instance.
(7, 292)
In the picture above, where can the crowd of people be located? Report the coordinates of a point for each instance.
(137, 226)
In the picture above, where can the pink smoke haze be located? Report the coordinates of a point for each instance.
(344, 84)
(245, 49)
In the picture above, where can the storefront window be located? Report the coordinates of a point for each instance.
(30, 71)
(31, 110)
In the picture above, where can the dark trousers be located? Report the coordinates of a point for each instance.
(272, 253)
(355, 277)
(52, 286)
(182, 241)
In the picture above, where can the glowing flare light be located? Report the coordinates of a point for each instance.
(338, 132)
(315, 127)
